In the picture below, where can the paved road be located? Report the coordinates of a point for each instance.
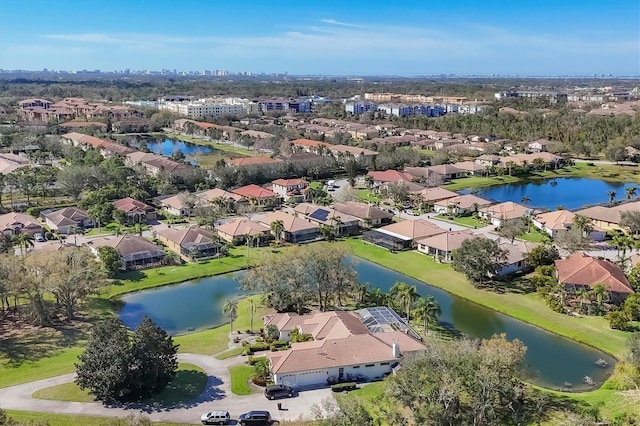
(217, 396)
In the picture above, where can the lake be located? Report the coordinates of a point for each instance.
(572, 193)
(166, 146)
(553, 359)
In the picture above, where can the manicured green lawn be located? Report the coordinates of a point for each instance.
(188, 384)
(216, 340)
(240, 375)
(530, 308)
(52, 362)
(535, 236)
(230, 353)
(469, 221)
(368, 196)
(53, 419)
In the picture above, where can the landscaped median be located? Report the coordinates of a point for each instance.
(530, 308)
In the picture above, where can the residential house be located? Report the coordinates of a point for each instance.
(347, 346)
(290, 189)
(236, 232)
(258, 195)
(16, 223)
(517, 253)
(154, 164)
(432, 195)
(471, 168)
(460, 205)
(497, 214)
(136, 252)
(192, 243)
(440, 246)
(221, 198)
(136, 211)
(562, 220)
(252, 161)
(488, 160)
(402, 235)
(608, 218)
(583, 271)
(388, 176)
(295, 230)
(66, 219)
(175, 205)
(448, 171)
(367, 214)
(540, 145)
(345, 224)
(425, 175)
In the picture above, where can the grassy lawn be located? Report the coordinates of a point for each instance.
(230, 353)
(216, 340)
(534, 235)
(53, 419)
(469, 221)
(604, 172)
(530, 308)
(368, 196)
(240, 375)
(189, 382)
(45, 361)
(370, 396)
(139, 280)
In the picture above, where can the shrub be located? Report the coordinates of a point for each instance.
(253, 359)
(259, 380)
(340, 387)
(257, 347)
(279, 344)
(36, 210)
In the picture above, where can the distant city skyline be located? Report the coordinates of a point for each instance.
(332, 37)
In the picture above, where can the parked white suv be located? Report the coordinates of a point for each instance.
(220, 417)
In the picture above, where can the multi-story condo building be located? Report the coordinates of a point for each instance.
(210, 107)
(554, 97)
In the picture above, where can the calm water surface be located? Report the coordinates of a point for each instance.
(572, 193)
(554, 360)
(166, 147)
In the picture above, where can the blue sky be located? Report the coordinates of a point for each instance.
(339, 37)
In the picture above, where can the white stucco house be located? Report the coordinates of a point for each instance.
(347, 346)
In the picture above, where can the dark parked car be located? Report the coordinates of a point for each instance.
(279, 391)
(254, 418)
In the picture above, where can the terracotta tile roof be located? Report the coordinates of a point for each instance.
(448, 241)
(242, 227)
(362, 210)
(390, 176)
(445, 169)
(469, 166)
(307, 143)
(412, 229)
(436, 194)
(129, 205)
(192, 234)
(211, 194)
(250, 161)
(507, 210)
(254, 191)
(558, 220)
(291, 223)
(129, 245)
(584, 270)
(26, 220)
(601, 213)
(290, 182)
(464, 201)
(516, 251)
(78, 124)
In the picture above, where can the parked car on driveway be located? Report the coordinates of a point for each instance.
(39, 238)
(279, 391)
(255, 418)
(220, 417)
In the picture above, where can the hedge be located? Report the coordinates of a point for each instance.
(340, 387)
(253, 359)
(256, 347)
(36, 210)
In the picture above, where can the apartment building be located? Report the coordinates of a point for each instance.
(210, 107)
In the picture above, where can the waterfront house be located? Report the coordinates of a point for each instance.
(497, 214)
(402, 235)
(368, 214)
(136, 252)
(295, 230)
(239, 230)
(440, 246)
(192, 243)
(460, 205)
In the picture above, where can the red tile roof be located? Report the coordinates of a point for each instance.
(249, 161)
(254, 191)
(390, 176)
(583, 270)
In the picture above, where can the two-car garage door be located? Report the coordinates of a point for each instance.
(304, 378)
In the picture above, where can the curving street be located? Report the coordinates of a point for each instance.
(216, 396)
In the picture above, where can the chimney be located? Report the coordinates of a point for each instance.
(396, 349)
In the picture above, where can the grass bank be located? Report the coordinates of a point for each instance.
(611, 173)
(54, 419)
(189, 383)
(531, 308)
(203, 142)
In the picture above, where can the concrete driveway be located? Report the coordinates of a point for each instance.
(217, 396)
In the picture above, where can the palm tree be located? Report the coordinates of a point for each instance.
(583, 223)
(525, 200)
(428, 310)
(22, 240)
(582, 294)
(277, 228)
(230, 309)
(622, 242)
(252, 310)
(631, 192)
(599, 291)
(336, 221)
(404, 295)
(612, 196)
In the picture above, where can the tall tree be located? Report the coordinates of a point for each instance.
(583, 224)
(404, 295)
(631, 192)
(612, 195)
(513, 228)
(230, 309)
(479, 259)
(104, 366)
(277, 228)
(572, 240)
(428, 310)
(22, 240)
(154, 359)
(111, 260)
(631, 221)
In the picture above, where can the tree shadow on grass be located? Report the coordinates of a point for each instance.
(188, 389)
(134, 275)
